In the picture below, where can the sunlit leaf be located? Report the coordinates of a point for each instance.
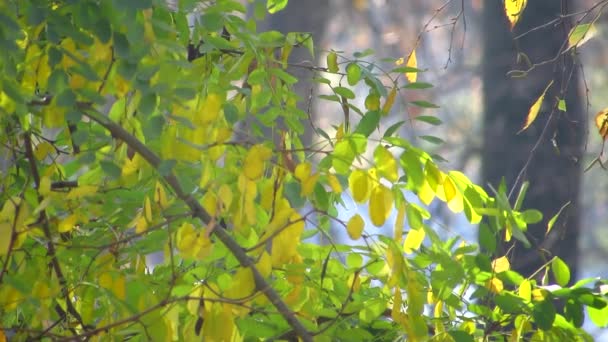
(501, 264)
(601, 122)
(535, 109)
(514, 9)
(412, 62)
(355, 226)
(580, 34)
(380, 204)
(561, 271)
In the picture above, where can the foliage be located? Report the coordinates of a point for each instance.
(128, 133)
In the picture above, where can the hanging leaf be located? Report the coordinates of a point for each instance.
(332, 62)
(353, 74)
(412, 62)
(555, 217)
(355, 226)
(561, 271)
(390, 100)
(359, 185)
(380, 204)
(533, 112)
(413, 240)
(386, 164)
(514, 10)
(580, 34)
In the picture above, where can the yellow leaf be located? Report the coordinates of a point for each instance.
(309, 185)
(495, 285)
(192, 243)
(81, 191)
(412, 62)
(45, 186)
(209, 110)
(334, 183)
(501, 264)
(359, 185)
(285, 243)
(160, 196)
(141, 224)
(601, 122)
(264, 264)
(209, 203)
(225, 195)
(390, 100)
(148, 209)
(386, 164)
(514, 10)
(355, 226)
(67, 224)
(453, 196)
(372, 102)
(533, 112)
(425, 193)
(413, 240)
(254, 161)
(43, 149)
(303, 171)
(399, 223)
(380, 204)
(525, 290)
(6, 231)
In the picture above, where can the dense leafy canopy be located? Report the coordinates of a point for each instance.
(126, 132)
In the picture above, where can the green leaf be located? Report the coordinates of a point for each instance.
(392, 129)
(368, 123)
(544, 314)
(599, 317)
(274, 6)
(332, 62)
(347, 93)
(555, 217)
(110, 169)
(432, 139)
(353, 73)
(424, 104)
(487, 239)
(429, 119)
(561, 271)
(532, 216)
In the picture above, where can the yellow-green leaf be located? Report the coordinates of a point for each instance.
(533, 112)
(413, 240)
(380, 204)
(580, 34)
(355, 226)
(359, 185)
(561, 271)
(332, 62)
(501, 264)
(255, 160)
(386, 164)
(390, 100)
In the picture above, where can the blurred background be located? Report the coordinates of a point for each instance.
(466, 49)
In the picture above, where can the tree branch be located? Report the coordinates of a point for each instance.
(198, 211)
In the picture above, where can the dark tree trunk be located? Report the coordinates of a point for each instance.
(303, 16)
(554, 171)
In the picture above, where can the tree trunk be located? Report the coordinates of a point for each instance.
(553, 167)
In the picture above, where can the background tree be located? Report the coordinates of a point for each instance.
(549, 153)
